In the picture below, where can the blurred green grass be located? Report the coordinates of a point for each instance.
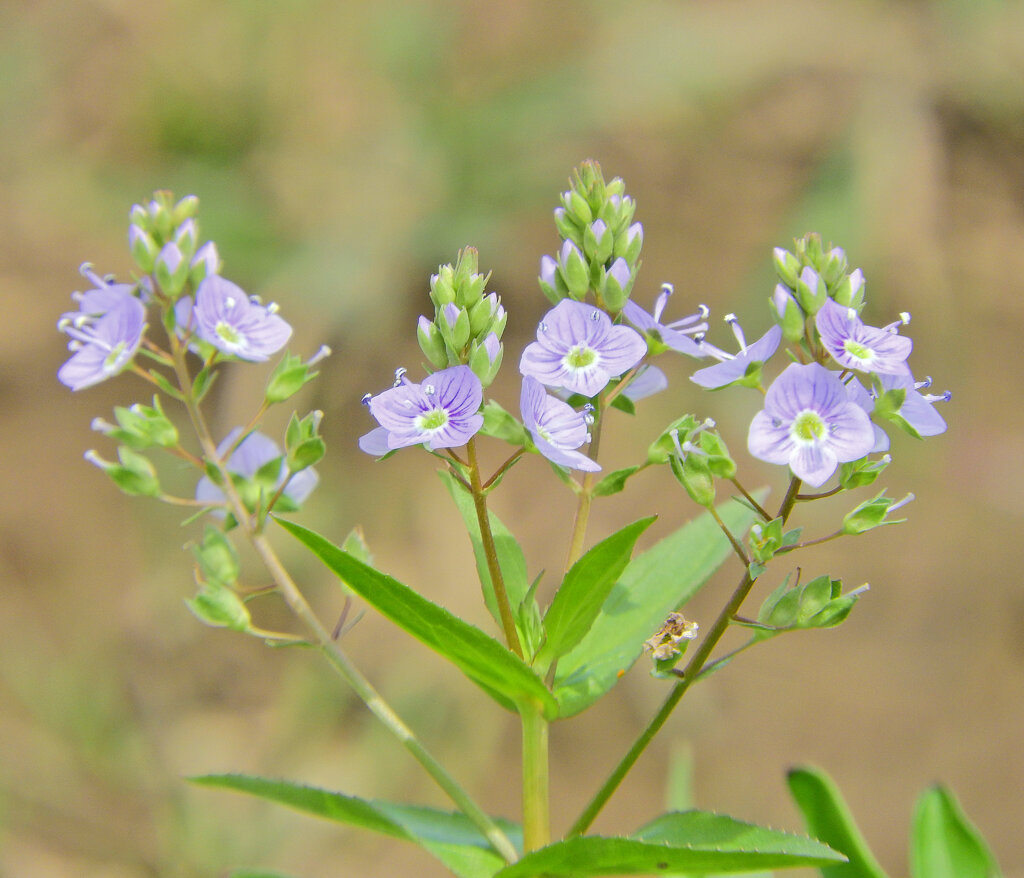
(342, 150)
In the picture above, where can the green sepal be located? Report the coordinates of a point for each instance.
(450, 837)
(135, 475)
(717, 459)
(624, 404)
(869, 515)
(288, 378)
(217, 558)
(818, 604)
(829, 819)
(355, 545)
(662, 448)
(499, 672)
(141, 426)
(500, 424)
(861, 473)
(689, 841)
(694, 474)
(305, 454)
(220, 608)
(614, 482)
(586, 587)
(787, 266)
(944, 843)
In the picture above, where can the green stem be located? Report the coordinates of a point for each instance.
(536, 815)
(690, 675)
(508, 622)
(300, 607)
(586, 495)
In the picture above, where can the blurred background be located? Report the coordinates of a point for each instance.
(341, 151)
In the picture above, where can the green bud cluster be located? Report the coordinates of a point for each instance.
(600, 253)
(467, 325)
(164, 241)
(807, 278)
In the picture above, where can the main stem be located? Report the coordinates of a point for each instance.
(536, 809)
(586, 497)
(300, 607)
(508, 622)
(689, 675)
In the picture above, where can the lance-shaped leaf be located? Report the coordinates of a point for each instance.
(500, 673)
(828, 818)
(944, 843)
(655, 583)
(450, 837)
(691, 841)
(510, 555)
(584, 590)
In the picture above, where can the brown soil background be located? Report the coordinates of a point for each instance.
(341, 151)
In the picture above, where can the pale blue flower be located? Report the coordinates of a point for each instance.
(737, 367)
(579, 349)
(556, 427)
(810, 424)
(236, 324)
(104, 345)
(442, 412)
(675, 335)
(253, 452)
(854, 345)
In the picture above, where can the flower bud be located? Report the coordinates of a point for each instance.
(453, 322)
(187, 239)
(598, 241)
(485, 358)
(220, 608)
(835, 267)
(788, 313)
(143, 248)
(850, 291)
(442, 286)
(629, 243)
(616, 285)
(185, 209)
(303, 445)
(171, 270)
(787, 266)
(575, 271)
(431, 343)
(206, 262)
(566, 225)
(811, 292)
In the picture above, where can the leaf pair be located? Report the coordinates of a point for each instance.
(682, 841)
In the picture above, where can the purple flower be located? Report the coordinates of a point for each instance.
(236, 324)
(856, 392)
(103, 345)
(674, 335)
(809, 423)
(736, 367)
(648, 381)
(556, 427)
(442, 412)
(856, 346)
(103, 296)
(252, 453)
(579, 349)
(918, 409)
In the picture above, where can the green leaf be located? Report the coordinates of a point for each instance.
(944, 843)
(614, 482)
(687, 841)
(584, 590)
(828, 818)
(655, 583)
(450, 837)
(510, 554)
(500, 673)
